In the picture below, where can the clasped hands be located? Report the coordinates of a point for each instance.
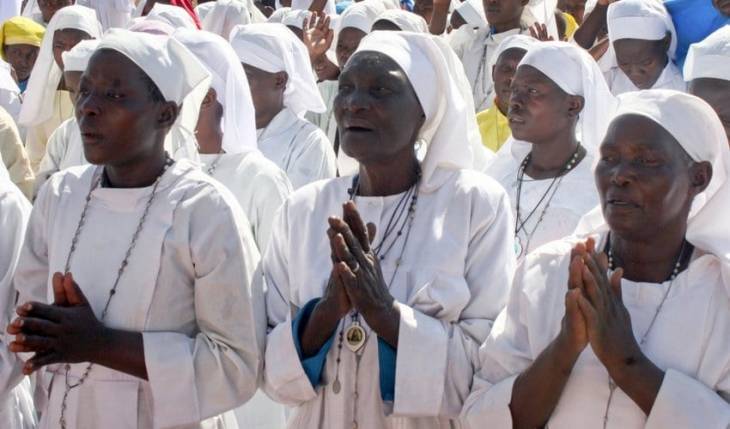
(65, 332)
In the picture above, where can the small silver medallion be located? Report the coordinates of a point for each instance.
(355, 336)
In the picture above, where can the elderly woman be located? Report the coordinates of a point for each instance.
(387, 318)
(557, 106)
(136, 280)
(632, 328)
(20, 42)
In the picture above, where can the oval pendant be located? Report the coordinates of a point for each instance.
(518, 247)
(355, 337)
(336, 386)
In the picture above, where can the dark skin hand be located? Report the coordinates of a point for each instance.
(69, 332)
(593, 23)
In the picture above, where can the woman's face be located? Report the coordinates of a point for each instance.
(642, 60)
(120, 118)
(716, 92)
(378, 113)
(645, 179)
(64, 41)
(22, 58)
(347, 42)
(538, 109)
(504, 14)
(503, 73)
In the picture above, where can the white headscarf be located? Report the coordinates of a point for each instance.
(640, 19)
(406, 21)
(576, 73)
(230, 84)
(173, 15)
(177, 73)
(362, 15)
(329, 8)
(111, 13)
(295, 18)
(709, 58)
(77, 59)
(279, 14)
(46, 75)
(516, 41)
(274, 48)
(696, 127)
(437, 76)
(224, 15)
(203, 9)
(472, 11)
(150, 26)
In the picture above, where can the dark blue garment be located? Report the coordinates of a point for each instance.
(694, 20)
(22, 85)
(314, 365)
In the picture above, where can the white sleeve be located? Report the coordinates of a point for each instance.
(436, 358)
(284, 378)
(14, 213)
(277, 190)
(316, 161)
(51, 161)
(194, 378)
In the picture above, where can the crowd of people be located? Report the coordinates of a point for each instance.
(371, 214)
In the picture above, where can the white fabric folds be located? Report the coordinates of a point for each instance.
(362, 15)
(176, 72)
(576, 73)
(230, 84)
(438, 78)
(274, 48)
(224, 15)
(696, 127)
(406, 21)
(78, 58)
(472, 11)
(640, 19)
(709, 58)
(37, 105)
(173, 15)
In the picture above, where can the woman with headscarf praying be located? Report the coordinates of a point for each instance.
(137, 279)
(65, 146)
(557, 112)
(16, 403)
(707, 72)
(632, 328)
(20, 41)
(47, 102)
(377, 327)
(643, 46)
(283, 89)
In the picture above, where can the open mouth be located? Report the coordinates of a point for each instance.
(620, 203)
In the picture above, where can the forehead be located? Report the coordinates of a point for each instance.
(511, 55)
(351, 35)
(108, 65)
(633, 131)
(375, 65)
(635, 47)
(530, 75)
(709, 88)
(70, 34)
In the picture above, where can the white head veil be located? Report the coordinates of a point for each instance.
(472, 11)
(576, 73)
(177, 73)
(295, 18)
(46, 75)
(224, 15)
(362, 15)
(406, 21)
(640, 19)
(173, 15)
(329, 8)
(111, 13)
(696, 127)
(274, 48)
(203, 9)
(437, 76)
(278, 16)
(709, 58)
(78, 58)
(230, 84)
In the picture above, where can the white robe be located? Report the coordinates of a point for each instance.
(191, 288)
(670, 78)
(16, 404)
(38, 135)
(111, 13)
(9, 91)
(690, 340)
(259, 186)
(452, 282)
(476, 54)
(576, 195)
(298, 147)
(64, 150)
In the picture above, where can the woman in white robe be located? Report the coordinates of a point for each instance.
(442, 239)
(228, 152)
(46, 103)
(642, 47)
(638, 336)
(16, 403)
(158, 262)
(283, 90)
(557, 113)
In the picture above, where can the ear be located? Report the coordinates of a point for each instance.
(700, 174)
(280, 80)
(167, 114)
(575, 105)
(210, 99)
